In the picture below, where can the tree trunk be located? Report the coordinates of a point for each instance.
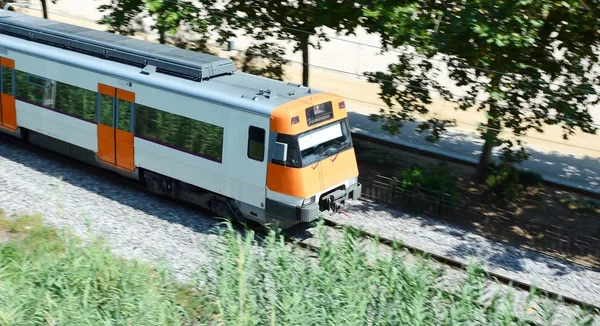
(45, 9)
(490, 135)
(486, 153)
(304, 49)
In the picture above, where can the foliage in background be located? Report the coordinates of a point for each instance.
(188, 26)
(265, 59)
(513, 44)
(301, 23)
(181, 20)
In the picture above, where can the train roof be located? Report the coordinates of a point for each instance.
(183, 71)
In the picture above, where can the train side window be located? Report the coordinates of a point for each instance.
(196, 137)
(76, 101)
(256, 143)
(33, 89)
(7, 80)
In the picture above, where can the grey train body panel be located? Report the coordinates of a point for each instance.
(243, 91)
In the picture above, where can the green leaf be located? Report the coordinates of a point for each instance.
(508, 43)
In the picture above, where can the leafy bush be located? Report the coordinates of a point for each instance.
(508, 182)
(583, 205)
(435, 183)
(434, 178)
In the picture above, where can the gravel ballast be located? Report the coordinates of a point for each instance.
(452, 241)
(136, 224)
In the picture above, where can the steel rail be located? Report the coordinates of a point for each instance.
(462, 266)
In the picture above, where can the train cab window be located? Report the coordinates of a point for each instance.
(256, 143)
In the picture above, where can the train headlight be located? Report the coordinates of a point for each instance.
(309, 201)
(353, 181)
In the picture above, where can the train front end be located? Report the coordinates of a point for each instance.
(312, 166)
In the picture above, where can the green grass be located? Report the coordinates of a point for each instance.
(343, 286)
(51, 278)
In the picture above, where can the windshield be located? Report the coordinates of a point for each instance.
(315, 145)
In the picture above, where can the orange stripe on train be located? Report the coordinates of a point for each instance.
(307, 181)
(9, 63)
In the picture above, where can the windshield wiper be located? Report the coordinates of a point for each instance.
(323, 154)
(339, 150)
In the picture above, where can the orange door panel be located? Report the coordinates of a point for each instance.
(106, 130)
(115, 141)
(125, 150)
(8, 110)
(106, 143)
(1, 109)
(1, 105)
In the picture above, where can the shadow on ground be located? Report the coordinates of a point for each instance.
(581, 171)
(460, 244)
(96, 181)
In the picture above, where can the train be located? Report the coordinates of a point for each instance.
(185, 124)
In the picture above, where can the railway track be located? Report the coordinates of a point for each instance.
(457, 265)
(462, 266)
(298, 237)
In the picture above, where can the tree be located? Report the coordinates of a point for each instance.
(513, 44)
(293, 21)
(126, 18)
(265, 59)
(45, 7)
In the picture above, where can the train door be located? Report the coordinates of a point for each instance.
(115, 126)
(8, 111)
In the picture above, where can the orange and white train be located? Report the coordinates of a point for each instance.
(187, 125)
